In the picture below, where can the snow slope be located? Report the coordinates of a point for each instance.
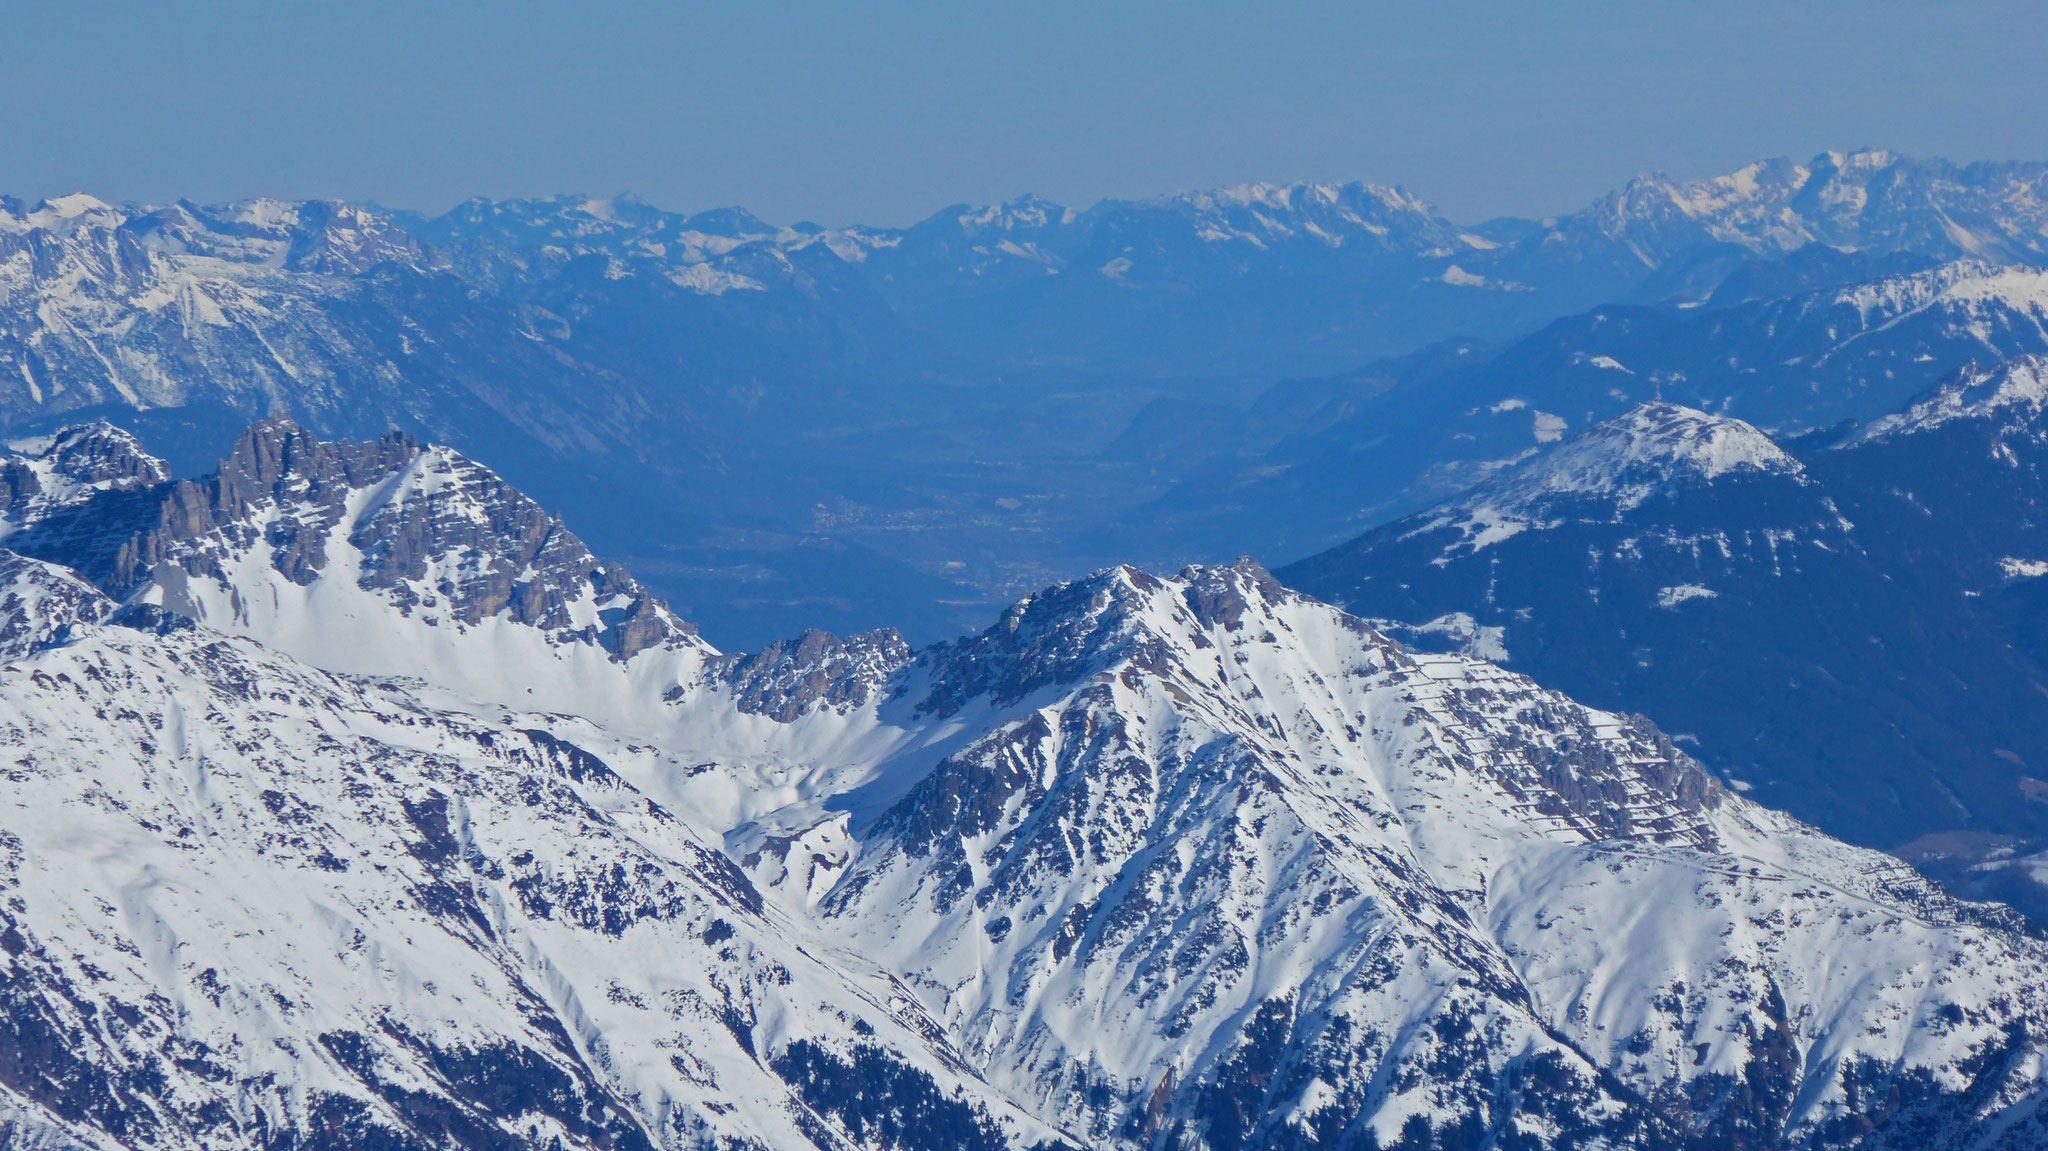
(249, 903)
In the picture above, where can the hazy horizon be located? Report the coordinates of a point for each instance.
(884, 114)
(1077, 205)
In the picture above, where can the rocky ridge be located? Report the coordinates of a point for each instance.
(424, 529)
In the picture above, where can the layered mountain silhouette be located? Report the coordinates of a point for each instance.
(788, 426)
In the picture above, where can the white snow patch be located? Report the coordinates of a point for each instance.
(1671, 597)
(1470, 637)
(707, 280)
(1606, 363)
(2013, 393)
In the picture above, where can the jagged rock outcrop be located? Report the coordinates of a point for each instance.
(785, 680)
(425, 530)
(71, 467)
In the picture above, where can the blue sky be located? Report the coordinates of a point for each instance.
(884, 112)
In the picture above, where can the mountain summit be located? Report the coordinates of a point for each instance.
(1652, 451)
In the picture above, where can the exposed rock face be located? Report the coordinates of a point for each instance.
(280, 487)
(71, 467)
(426, 530)
(515, 559)
(785, 680)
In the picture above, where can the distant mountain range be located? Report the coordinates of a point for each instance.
(783, 426)
(351, 801)
(1312, 462)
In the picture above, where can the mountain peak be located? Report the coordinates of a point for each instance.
(278, 461)
(1324, 215)
(385, 557)
(64, 214)
(39, 602)
(69, 467)
(424, 527)
(1860, 160)
(1867, 200)
(1074, 629)
(1027, 212)
(2014, 392)
(1615, 467)
(97, 453)
(1651, 443)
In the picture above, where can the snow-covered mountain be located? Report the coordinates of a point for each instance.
(53, 474)
(1312, 274)
(1962, 469)
(1261, 278)
(1610, 470)
(2003, 400)
(513, 858)
(1274, 880)
(1833, 632)
(967, 249)
(1796, 362)
(514, 242)
(1868, 200)
(385, 557)
(253, 904)
(264, 303)
(326, 309)
(627, 386)
(354, 319)
(1658, 237)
